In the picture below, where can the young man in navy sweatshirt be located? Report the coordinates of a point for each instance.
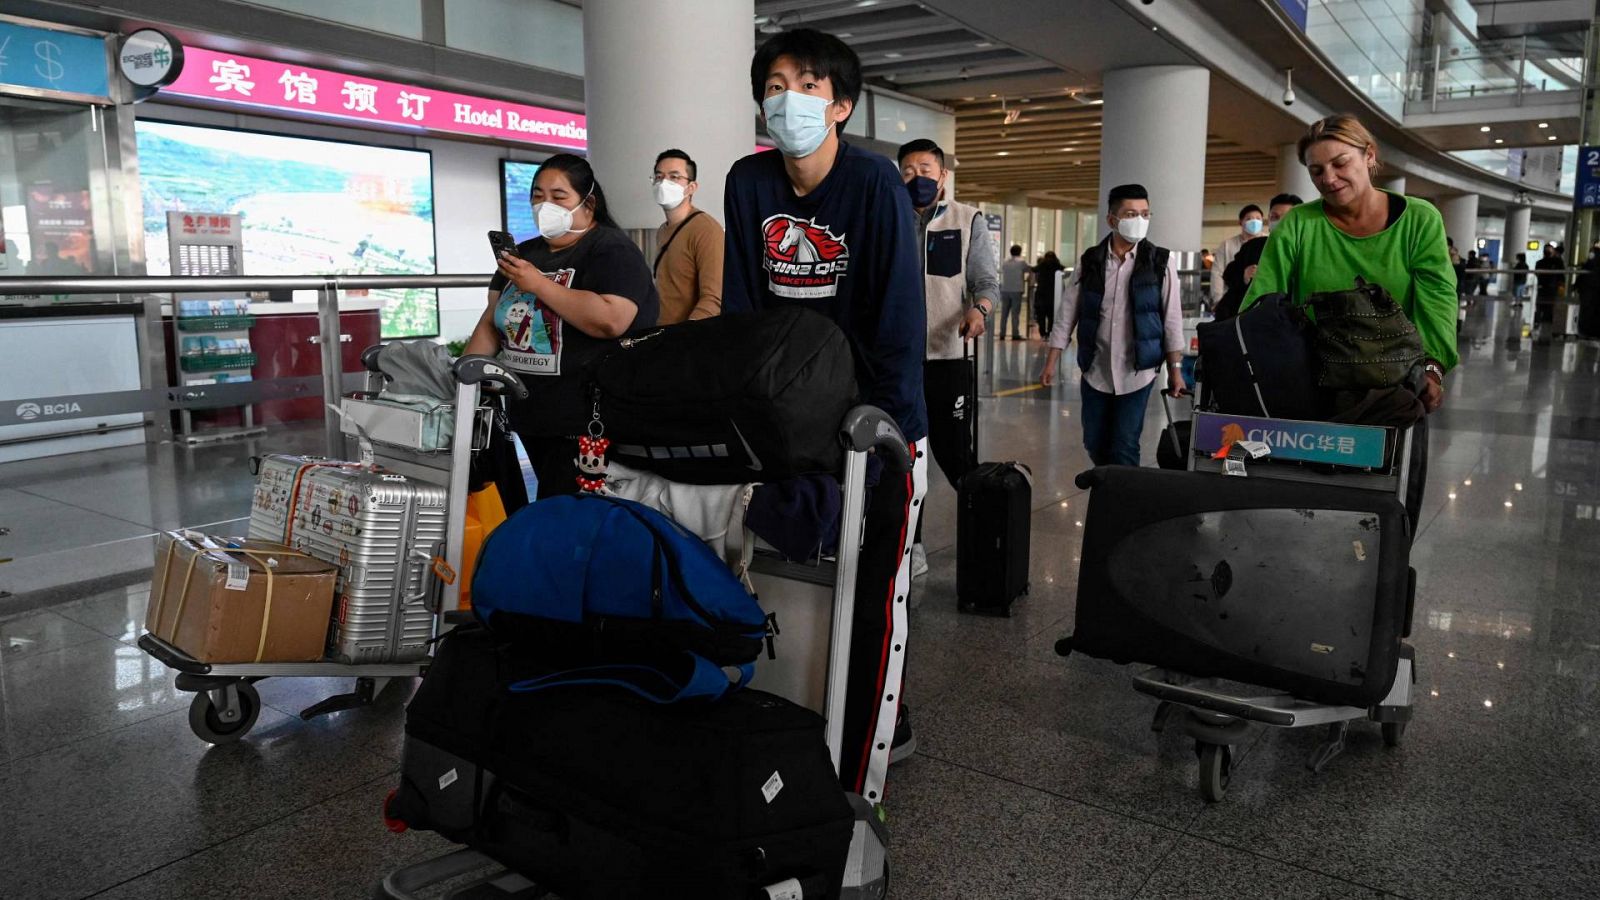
(828, 226)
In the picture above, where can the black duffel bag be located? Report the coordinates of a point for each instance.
(726, 400)
(1259, 363)
(600, 795)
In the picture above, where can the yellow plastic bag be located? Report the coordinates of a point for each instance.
(485, 512)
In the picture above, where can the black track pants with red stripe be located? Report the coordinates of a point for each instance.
(878, 640)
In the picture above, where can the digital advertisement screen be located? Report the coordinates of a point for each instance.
(516, 183)
(309, 207)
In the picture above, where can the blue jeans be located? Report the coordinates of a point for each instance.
(1112, 425)
(1010, 311)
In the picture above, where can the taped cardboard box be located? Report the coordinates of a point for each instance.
(230, 600)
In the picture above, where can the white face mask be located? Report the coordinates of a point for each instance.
(669, 193)
(555, 220)
(1134, 229)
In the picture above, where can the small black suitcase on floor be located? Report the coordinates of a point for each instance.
(594, 793)
(994, 513)
(1293, 586)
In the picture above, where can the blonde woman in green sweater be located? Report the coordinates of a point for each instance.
(1356, 229)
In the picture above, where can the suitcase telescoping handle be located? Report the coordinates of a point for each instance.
(868, 428)
(1171, 430)
(969, 349)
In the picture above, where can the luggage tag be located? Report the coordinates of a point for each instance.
(1238, 452)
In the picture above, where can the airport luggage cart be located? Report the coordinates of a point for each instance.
(1218, 718)
(865, 430)
(226, 703)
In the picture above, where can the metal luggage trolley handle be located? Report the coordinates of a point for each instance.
(226, 703)
(1216, 718)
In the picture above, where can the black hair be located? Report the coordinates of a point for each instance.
(1125, 192)
(1016, 249)
(1522, 257)
(1281, 199)
(581, 176)
(920, 145)
(1251, 208)
(694, 170)
(817, 52)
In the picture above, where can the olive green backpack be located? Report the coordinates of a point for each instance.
(1363, 339)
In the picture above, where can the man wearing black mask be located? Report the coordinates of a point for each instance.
(961, 283)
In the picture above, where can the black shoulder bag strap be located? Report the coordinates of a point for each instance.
(675, 232)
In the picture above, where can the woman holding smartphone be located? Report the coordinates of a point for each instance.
(557, 301)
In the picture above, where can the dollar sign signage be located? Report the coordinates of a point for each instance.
(49, 66)
(55, 61)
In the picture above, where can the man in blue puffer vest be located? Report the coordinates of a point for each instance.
(1123, 301)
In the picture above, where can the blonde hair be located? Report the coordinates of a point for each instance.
(1344, 128)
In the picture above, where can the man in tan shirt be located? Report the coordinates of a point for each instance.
(688, 265)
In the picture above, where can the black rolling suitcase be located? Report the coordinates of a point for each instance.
(994, 510)
(1296, 586)
(1172, 452)
(592, 792)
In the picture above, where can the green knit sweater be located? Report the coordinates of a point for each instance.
(1307, 255)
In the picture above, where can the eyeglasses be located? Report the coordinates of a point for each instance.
(1134, 214)
(674, 177)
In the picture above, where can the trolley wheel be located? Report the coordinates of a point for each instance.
(1392, 733)
(1216, 762)
(206, 720)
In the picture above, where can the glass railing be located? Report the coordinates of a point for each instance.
(1513, 67)
(1370, 44)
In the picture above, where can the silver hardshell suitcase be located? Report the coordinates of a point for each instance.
(383, 530)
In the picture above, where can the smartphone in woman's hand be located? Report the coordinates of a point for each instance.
(502, 242)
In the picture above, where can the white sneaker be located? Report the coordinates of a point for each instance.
(919, 561)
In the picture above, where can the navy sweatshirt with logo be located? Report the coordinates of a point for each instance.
(848, 250)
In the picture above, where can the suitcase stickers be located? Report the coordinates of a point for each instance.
(382, 530)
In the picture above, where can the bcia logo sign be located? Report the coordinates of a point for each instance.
(27, 412)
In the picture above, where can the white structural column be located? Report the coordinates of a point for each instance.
(1518, 219)
(1154, 133)
(1395, 184)
(660, 74)
(1461, 221)
(1292, 176)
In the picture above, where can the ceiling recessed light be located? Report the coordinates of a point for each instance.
(893, 54)
(1484, 128)
(984, 44)
(1544, 124)
(866, 2)
(1154, 28)
(1499, 140)
(1002, 153)
(1551, 138)
(992, 96)
(1096, 102)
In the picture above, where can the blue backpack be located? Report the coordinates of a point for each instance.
(610, 591)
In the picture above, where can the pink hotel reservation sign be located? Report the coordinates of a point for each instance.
(263, 83)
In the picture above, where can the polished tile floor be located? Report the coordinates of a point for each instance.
(1037, 776)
